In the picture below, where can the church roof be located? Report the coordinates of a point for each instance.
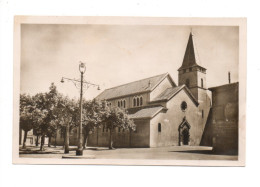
(146, 112)
(171, 92)
(167, 93)
(140, 86)
(191, 56)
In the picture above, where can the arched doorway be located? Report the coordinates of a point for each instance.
(185, 136)
(184, 133)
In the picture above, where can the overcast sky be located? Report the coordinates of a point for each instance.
(118, 54)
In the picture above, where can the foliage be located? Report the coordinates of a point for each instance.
(116, 117)
(92, 114)
(26, 112)
(66, 113)
(46, 103)
(45, 113)
(97, 113)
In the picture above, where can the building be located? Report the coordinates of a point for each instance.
(165, 113)
(221, 131)
(30, 139)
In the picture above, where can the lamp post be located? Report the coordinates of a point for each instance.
(82, 70)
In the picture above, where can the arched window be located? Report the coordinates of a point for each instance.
(159, 127)
(121, 103)
(134, 102)
(201, 80)
(141, 101)
(137, 103)
(124, 103)
(118, 103)
(187, 83)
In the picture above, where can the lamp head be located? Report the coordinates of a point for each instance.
(62, 80)
(98, 88)
(82, 67)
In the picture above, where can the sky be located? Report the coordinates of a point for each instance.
(119, 54)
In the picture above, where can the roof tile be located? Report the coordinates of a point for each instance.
(167, 93)
(131, 88)
(146, 112)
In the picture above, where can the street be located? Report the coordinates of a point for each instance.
(164, 153)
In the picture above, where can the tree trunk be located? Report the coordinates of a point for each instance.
(85, 140)
(111, 139)
(20, 136)
(24, 139)
(130, 137)
(49, 142)
(55, 141)
(37, 141)
(64, 140)
(42, 143)
(67, 139)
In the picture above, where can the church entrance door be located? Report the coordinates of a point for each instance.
(184, 133)
(185, 136)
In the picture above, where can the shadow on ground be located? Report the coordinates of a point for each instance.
(205, 152)
(98, 149)
(195, 151)
(40, 152)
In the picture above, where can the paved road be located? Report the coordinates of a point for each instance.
(164, 153)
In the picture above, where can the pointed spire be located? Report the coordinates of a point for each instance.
(191, 57)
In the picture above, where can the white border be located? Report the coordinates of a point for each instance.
(241, 22)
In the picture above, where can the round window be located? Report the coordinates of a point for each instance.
(183, 106)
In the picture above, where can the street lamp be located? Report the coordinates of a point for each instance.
(82, 70)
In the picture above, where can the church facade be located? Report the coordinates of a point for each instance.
(165, 114)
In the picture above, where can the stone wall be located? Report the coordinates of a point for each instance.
(222, 128)
(59, 139)
(122, 138)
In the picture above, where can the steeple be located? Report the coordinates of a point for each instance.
(191, 73)
(191, 57)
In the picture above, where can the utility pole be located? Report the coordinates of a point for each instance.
(229, 79)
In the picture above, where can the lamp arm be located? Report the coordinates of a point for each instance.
(75, 80)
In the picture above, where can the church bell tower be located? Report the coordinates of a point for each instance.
(193, 75)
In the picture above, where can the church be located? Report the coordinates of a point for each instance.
(165, 113)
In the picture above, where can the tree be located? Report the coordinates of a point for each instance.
(93, 112)
(66, 113)
(30, 116)
(26, 115)
(46, 103)
(116, 117)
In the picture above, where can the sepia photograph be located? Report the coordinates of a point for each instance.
(129, 91)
